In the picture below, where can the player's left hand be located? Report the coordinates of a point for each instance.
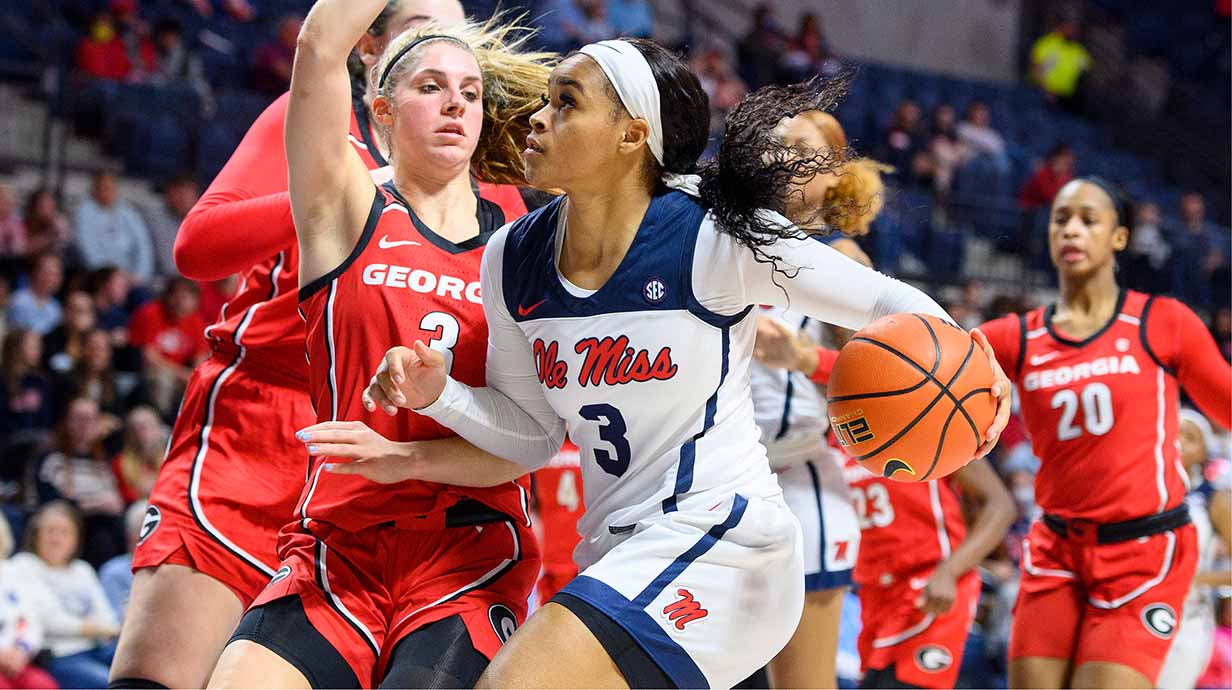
(372, 456)
(1001, 389)
(939, 592)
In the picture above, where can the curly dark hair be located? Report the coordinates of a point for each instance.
(754, 171)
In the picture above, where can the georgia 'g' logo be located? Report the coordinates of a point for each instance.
(932, 658)
(149, 523)
(1160, 620)
(503, 621)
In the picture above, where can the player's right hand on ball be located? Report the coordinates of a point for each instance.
(410, 378)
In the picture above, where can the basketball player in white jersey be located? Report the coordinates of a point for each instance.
(1210, 509)
(624, 311)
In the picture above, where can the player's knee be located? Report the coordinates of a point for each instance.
(135, 684)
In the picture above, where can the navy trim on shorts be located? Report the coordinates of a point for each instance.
(670, 657)
(823, 579)
(708, 540)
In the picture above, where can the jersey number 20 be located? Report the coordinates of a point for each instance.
(1096, 404)
(611, 431)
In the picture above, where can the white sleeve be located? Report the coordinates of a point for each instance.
(816, 281)
(510, 417)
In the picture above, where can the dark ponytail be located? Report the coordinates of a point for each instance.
(753, 170)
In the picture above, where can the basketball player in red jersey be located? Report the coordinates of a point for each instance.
(233, 471)
(558, 504)
(414, 583)
(1106, 571)
(916, 573)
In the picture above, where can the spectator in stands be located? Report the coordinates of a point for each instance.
(1149, 251)
(570, 24)
(630, 18)
(110, 232)
(111, 288)
(96, 378)
(76, 470)
(47, 230)
(21, 628)
(13, 241)
(214, 294)
(271, 70)
(1048, 179)
(116, 575)
(179, 195)
(177, 63)
(26, 400)
(35, 306)
(169, 331)
(135, 34)
(1199, 255)
(78, 618)
(969, 311)
(904, 138)
(762, 48)
(101, 54)
(145, 442)
(981, 140)
(809, 53)
(718, 79)
(945, 151)
(239, 10)
(1058, 62)
(62, 347)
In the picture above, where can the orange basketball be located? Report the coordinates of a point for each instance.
(911, 397)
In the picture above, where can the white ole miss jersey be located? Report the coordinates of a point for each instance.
(651, 371)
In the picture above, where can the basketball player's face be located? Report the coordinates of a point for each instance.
(807, 140)
(577, 137)
(436, 110)
(1193, 444)
(1083, 233)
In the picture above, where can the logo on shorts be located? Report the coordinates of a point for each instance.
(684, 610)
(503, 621)
(1160, 619)
(654, 290)
(933, 659)
(149, 523)
(282, 574)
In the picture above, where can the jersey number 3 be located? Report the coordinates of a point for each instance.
(446, 330)
(1096, 404)
(611, 431)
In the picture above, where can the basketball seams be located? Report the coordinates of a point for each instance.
(941, 440)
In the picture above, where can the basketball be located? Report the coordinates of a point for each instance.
(911, 397)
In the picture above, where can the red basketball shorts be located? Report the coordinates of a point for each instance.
(365, 591)
(232, 475)
(1117, 603)
(925, 649)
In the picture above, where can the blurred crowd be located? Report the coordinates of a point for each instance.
(100, 333)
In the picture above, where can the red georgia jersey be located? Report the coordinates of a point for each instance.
(905, 527)
(401, 283)
(1102, 412)
(558, 501)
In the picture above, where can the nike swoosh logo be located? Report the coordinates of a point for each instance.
(385, 243)
(525, 311)
(1037, 360)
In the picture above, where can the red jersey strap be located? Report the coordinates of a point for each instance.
(1146, 341)
(374, 217)
(1180, 343)
(363, 124)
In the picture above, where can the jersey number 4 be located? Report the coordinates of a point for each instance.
(612, 430)
(1096, 404)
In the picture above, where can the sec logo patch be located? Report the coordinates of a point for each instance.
(654, 290)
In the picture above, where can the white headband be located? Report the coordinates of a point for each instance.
(626, 68)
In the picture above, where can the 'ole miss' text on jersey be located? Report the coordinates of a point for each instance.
(1101, 412)
(401, 283)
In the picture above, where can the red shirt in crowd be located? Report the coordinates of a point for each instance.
(1040, 189)
(179, 340)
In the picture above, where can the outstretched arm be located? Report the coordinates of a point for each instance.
(445, 461)
(331, 190)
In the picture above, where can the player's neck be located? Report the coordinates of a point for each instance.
(599, 229)
(447, 206)
(1088, 301)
